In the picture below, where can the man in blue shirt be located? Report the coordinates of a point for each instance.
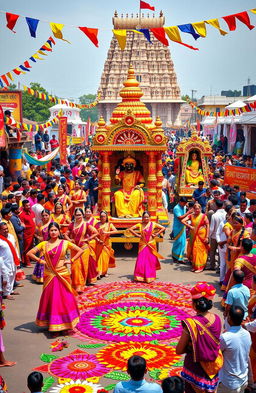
(239, 294)
(199, 195)
(137, 368)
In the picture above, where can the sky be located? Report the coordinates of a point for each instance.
(71, 70)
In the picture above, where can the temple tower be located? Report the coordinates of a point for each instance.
(153, 67)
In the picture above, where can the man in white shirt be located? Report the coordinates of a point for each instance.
(37, 208)
(235, 345)
(6, 254)
(243, 209)
(217, 218)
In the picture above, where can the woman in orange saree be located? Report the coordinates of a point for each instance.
(64, 199)
(147, 262)
(104, 252)
(78, 197)
(81, 234)
(60, 217)
(92, 269)
(198, 245)
(58, 309)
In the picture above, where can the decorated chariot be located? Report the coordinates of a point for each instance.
(130, 163)
(193, 154)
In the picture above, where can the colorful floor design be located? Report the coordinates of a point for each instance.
(119, 320)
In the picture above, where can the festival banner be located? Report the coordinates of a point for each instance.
(12, 100)
(63, 131)
(2, 129)
(245, 178)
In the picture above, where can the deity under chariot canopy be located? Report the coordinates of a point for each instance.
(130, 161)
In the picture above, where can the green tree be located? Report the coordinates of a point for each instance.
(12, 86)
(35, 108)
(91, 113)
(185, 97)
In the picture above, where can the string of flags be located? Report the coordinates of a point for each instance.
(56, 100)
(32, 127)
(196, 30)
(26, 65)
(228, 112)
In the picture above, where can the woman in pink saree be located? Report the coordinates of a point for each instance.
(200, 341)
(58, 309)
(147, 262)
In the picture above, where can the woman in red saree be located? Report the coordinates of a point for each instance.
(198, 245)
(78, 197)
(104, 252)
(58, 309)
(64, 199)
(200, 341)
(42, 235)
(147, 262)
(60, 217)
(84, 270)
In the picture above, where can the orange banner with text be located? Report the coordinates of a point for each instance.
(63, 130)
(245, 178)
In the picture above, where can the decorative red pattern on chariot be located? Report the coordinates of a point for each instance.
(129, 137)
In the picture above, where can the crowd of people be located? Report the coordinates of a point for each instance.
(48, 217)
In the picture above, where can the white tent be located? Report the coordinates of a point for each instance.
(251, 99)
(236, 105)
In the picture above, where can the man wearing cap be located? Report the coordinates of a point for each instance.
(128, 200)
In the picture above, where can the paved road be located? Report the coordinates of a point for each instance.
(25, 342)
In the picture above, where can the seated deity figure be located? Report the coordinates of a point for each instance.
(193, 172)
(128, 200)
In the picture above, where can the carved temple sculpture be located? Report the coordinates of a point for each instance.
(131, 138)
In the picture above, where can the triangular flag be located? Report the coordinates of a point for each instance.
(32, 58)
(242, 16)
(215, 23)
(188, 28)
(26, 64)
(36, 56)
(41, 52)
(120, 35)
(47, 47)
(17, 71)
(24, 68)
(253, 10)
(159, 33)
(200, 28)
(146, 34)
(57, 30)
(91, 33)
(146, 6)
(9, 74)
(173, 33)
(32, 25)
(1, 83)
(52, 40)
(5, 80)
(11, 20)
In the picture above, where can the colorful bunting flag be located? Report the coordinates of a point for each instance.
(146, 6)
(188, 28)
(1, 83)
(200, 28)
(5, 80)
(146, 34)
(215, 23)
(159, 33)
(9, 74)
(120, 35)
(57, 30)
(32, 25)
(11, 20)
(253, 10)
(242, 16)
(173, 33)
(92, 34)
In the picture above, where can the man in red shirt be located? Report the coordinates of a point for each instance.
(27, 218)
(54, 143)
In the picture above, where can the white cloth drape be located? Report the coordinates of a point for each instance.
(247, 136)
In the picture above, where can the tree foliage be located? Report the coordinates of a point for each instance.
(185, 97)
(34, 108)
(92, 113)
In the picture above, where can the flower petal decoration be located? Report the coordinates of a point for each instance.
(157, 356)
(132, 321)
(77, 386)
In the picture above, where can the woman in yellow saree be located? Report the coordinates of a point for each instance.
(60, 217)
(78, 197)
(198, 244)
(147, 261)
(104, 252)
(58, 308)
(193, 173)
